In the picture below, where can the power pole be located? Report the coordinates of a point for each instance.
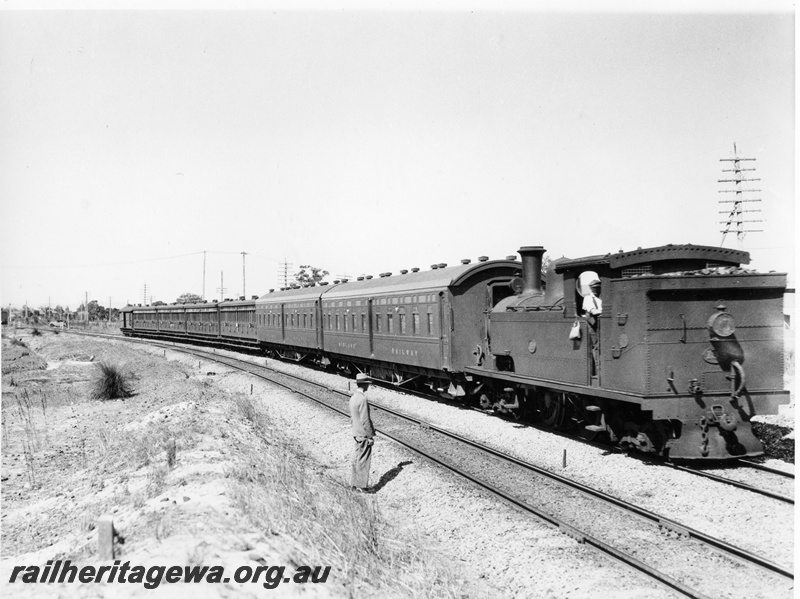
(244, 293)
(204, 274)
(222, 288)
(144, 295)
(735, 222)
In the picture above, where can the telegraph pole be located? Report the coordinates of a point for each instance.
(244, 293)
(222, 288)
(204, 274)
(736, 221)
(283, 271)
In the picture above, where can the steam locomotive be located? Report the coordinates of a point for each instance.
(687, 349)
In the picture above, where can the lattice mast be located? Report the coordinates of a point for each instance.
(737, 221)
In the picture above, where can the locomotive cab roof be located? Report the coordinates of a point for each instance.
(657, 260)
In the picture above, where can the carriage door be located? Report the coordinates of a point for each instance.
(369, 327)
(318, 323)
(445, 327)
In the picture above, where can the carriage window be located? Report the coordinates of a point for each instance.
(389, 324)
(377, 323)
(337, 322)
(430, 323)
(344, 324)
(363, 323)
(402, 323)
(415, 323)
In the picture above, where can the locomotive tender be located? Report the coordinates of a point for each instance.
(690, 343)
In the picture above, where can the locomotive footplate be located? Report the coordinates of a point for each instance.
(719, 434)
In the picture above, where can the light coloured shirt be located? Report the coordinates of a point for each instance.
(592, 304)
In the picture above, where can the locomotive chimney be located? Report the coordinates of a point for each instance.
(532, 269)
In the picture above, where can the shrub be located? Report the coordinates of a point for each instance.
(35, 332)
(112, 383)
(776, 445)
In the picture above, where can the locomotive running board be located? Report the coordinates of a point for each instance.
(559, 385)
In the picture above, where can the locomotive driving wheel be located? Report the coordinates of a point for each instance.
(550, 408)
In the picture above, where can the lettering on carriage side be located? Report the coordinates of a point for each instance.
(344, 345)
(405, 352)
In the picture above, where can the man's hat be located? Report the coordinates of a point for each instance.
(594, 283)
(362, 378)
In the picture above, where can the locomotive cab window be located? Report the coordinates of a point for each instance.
(588, 292)
(499, 291)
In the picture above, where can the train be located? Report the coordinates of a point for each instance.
(688, 346)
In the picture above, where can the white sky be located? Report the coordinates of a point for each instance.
(369, 141)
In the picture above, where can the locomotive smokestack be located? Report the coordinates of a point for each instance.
(532, 269)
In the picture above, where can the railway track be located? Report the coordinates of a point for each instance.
(767, 492)
(640, 540)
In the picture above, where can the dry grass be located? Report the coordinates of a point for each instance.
(286, 494)
(112, 383)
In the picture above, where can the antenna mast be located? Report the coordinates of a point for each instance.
(736, 221)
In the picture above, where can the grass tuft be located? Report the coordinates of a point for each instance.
(112, 383)
(776, 446)
(287, 494)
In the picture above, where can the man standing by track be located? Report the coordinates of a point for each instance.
(363, 432)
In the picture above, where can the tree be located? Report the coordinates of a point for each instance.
(94, 309)
(188, 298)
(310, 275)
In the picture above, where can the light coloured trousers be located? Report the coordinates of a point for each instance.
(362, 458)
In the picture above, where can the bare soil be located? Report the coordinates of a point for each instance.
(68, 459)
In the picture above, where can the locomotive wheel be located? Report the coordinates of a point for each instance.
(550, 407)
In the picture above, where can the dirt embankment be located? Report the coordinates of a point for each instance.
(239, 495)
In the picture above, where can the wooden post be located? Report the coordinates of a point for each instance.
(105, 538)
(564, 462)
(171, 451)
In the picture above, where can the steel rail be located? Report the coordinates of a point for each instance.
(757, 466)
(734, 483)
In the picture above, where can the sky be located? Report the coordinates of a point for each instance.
(142, 151)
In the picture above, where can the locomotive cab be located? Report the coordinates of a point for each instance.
(686, 348)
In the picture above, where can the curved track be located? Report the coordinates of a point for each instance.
(474, 461)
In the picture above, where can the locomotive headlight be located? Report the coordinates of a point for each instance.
(722, 324)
